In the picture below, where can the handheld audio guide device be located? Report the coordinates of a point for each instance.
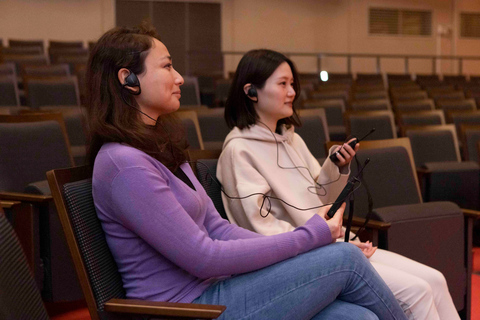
(346, 191)
(352, 144)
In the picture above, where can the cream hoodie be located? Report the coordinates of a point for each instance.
(248, 164)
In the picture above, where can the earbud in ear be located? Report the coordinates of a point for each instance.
(132, 81)
(252, 92)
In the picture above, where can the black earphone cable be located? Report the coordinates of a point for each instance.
(266, 198)
(316, 186)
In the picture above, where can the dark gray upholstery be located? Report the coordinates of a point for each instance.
(370, 105)
(53, 91)
(456, 105)
(415, 105)
(467, 118)
(24, 60)
(191, 132)
(7, 69)
(28, 151)
(334, 109)
(419, 119)
(361, 124)
(190, 92)
(431, 233)
(377, 94)
(312, 132)
(338, 94)
(472, 137)
(213, 127)
(206, 172)
(47, 70)
(102, 271)
(9, 95)
(19, 295)
(458, 182)
(429, 146)
(409, 95)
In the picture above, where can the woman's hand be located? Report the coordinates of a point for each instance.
(346, 153)
(367, 248)
(335, 223)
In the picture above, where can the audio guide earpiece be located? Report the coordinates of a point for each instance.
(252, 92)
(132, 81)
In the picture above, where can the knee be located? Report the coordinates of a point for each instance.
(436, 280)
(420, 289)
(348, 252)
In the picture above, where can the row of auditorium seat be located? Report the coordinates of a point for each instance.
(314, 119)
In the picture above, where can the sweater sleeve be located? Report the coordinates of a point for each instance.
(151, 210)
(220, 229)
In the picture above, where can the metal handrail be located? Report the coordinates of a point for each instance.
(378, 58)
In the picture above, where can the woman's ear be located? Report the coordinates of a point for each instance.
(122, 75)
(250, 92)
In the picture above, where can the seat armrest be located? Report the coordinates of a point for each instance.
(25, 197)
(469, 213)
(9, 204)
(171, 309)
(372, 224)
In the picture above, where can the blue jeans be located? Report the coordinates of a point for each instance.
(331, 282)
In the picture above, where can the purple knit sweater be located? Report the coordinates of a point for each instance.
(168, 240)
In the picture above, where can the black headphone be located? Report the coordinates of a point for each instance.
(252, 92)
(132, 81)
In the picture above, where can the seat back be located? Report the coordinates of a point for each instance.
(213, 127)
(470, 138)
(418, 118)
(192, 128)
(433, 143)
(7, 69)
(360, 122)
(371, 105)
(52, 91)
(458, 118)
(415, 105)
(94, 263)
(334, 109)
(204, 164)
(47, 70)
(19, 296)
(31, 145)
(388, 187)
(190, 92)
(456, 105)
(409, 95)
(26, 43)
(10, 95)
(314, 130)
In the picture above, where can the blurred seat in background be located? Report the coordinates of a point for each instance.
(51, 91)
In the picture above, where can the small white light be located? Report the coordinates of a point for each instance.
(324, 76)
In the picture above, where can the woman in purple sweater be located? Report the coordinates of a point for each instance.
(169, 242)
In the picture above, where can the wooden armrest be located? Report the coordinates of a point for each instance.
(372, 224)
(25, 197)
(202, 311)
(9, 204)
(471, 213)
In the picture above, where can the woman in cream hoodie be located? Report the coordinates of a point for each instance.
(263, 155)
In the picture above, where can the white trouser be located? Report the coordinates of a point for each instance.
(421, 290)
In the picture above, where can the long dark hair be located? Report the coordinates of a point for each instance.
(110, 115)
(255, 67)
